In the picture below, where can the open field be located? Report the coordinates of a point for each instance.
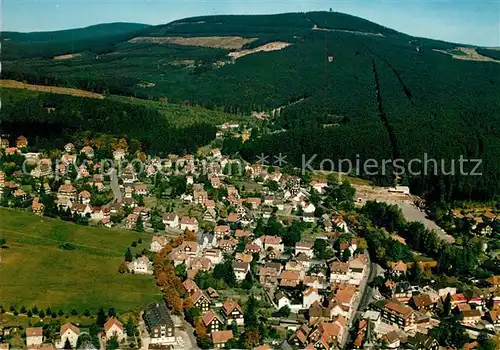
(55, 90)
(216, 42)
(35, 271)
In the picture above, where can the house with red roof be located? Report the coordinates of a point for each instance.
(68, 332)
(233, 312)
(220, 338)
(114, 328)
(34, 336)
(212, 321)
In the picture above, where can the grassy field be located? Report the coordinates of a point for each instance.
(35, 271)
(181, 115)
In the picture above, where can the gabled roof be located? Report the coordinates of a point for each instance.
(189, 220)
(209, 317)
(198, 295)
(229, 305)
(169, 217)
(69, 326)
(34, 332)
(113, 322)
(157, 314)
(221, 337)
(189, 284)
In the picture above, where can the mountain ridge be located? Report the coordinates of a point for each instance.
(386, 95)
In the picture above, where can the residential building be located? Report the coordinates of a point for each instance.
(190, 286)
(421, 341)
(212, 321)
(220, 338)
(170, 220)
(240, 270)
(339, 272)
(131, 221)
(201, 300)
(221, 231)
(273, 242)
(141, 265)
(114, 328)
(68, 332)
(34, 336)
(471, 317)
(157, 243)
(310, 295)
(395, 314)
(189, 223)
(160, 325)
(232, 312)
(304, 248)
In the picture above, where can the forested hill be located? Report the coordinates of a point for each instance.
(349, 87)
(90, 32)
(96, 38)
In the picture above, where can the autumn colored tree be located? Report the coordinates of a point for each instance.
(199, 328)
(252, 338)
(189, 236)
(123, 268)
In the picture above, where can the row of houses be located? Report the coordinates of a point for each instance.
(69, 333)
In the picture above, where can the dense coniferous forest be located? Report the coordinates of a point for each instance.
(495, 54)
(51, 120)
(347, 88)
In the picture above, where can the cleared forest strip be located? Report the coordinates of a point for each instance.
(13, 84)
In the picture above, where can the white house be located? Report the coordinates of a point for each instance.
(339, 272)
(114, 328)
(357, 269)
(141, 265)
(309, 208)
(170, 220)
(214, 255)
(283, 300)
(240, 270)
(340, 223)
(68, 332)
(319, 185)
(309, 296)
(34, 336)
(189, 223)
(273, 242)
(157, 243)
(305, 248)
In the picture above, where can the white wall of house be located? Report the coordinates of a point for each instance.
(34, 341)
(115, 331)
(71, 336)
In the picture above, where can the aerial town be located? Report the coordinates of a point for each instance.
(248, 256)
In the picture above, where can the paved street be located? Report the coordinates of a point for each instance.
(114, 185)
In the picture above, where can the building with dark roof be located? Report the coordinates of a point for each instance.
(159, 324)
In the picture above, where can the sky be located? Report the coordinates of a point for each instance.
(475, 22)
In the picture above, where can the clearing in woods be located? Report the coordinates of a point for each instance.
(217, 42)
(67, 57)
(468, 54)
(13, 84)
(274, 46)
(35, 270)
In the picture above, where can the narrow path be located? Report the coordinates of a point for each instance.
(115, 187)
(383, 115)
